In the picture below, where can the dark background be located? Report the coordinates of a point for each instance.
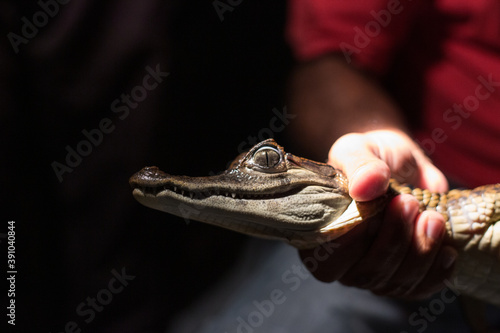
(225, 79)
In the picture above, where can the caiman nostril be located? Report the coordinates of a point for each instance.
(151, 175)
(152, 171)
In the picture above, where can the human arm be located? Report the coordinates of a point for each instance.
(403, 254)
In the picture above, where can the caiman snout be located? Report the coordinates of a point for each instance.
(150, 175)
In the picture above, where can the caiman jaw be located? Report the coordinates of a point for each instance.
(153, 181)
(266, 193)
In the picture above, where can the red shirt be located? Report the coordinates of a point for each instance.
(447, 57)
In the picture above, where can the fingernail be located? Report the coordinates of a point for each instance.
(448, 257)
(410, 210)
(370, 184)
(435, 228)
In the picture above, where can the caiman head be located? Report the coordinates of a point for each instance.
(265, 192)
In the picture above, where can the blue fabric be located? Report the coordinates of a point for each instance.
(270, 291)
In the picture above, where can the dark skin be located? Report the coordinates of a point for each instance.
(401, 253)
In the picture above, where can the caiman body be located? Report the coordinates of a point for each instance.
(272, 194)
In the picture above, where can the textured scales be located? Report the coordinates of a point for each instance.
(272, 194)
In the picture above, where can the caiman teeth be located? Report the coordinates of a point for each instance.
(204, 194)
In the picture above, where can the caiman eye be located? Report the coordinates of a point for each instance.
(266, 157)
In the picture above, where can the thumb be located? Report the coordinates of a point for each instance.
(368, 176)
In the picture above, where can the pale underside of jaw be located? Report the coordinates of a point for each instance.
(315, 209)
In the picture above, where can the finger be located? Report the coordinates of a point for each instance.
(429, 231)
(348, 250)
(439, 272)
(389, 248)
(368, 175)
(430, 177)
(433, 179)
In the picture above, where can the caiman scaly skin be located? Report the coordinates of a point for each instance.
(272, 194)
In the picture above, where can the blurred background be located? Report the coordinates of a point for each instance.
(68, 66)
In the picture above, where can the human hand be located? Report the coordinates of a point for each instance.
(403, 254)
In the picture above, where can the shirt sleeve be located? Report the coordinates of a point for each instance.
(367, 32)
